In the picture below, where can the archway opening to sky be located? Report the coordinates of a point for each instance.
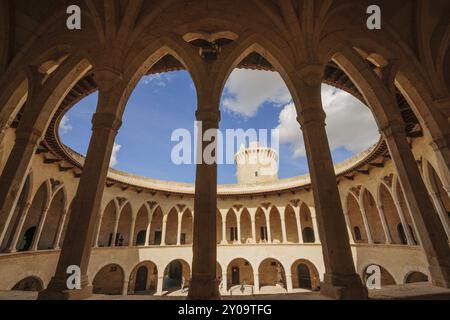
(252, 99)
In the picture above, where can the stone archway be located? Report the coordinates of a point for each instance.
(52, 221)
(109, 280)
(143, 278)
(305, 275)
(156, 225)
(187, 224)
(373, 217)
(306, 223)
(123, 227)
(292, 235)
(415, 277)
(386, 277)
(141, 225)
(29, 284)
(240, 277)
(107, 225)
(356, 220)
(272, 276)
(177, 276)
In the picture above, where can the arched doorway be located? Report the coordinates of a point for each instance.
(231, 223)
(305, 275)
(391, 214)
(109, 280)
(143, 278)
(107, 225)
(186, 228)
(307, 224)
(240, 278)
(156, 227)
(246, 227)
(124, 226)
(141, 225)
(292, 235)
(52, 221)
(261, 226)
(28, 232)
(176, 276)
(172, 227)
(373, 217)
(275, 226)
(356, 219)
(272, 276)
(29, 284)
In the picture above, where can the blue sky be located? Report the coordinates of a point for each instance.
(163, 103)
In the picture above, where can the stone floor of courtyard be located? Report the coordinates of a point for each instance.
(398, 292)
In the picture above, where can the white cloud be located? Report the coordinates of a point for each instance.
(350, 124)
(247, 90)
(115, 153)
(65, 126)
(160, 80)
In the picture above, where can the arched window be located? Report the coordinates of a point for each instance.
(357, 232)
(27, 239)
(308, 235)
(140, 239)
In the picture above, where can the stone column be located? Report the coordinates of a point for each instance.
(441, 212)
(429, 227)
(224, 229)
(86, 205)
(14, 174)
(289, 282)
(312, 210)
(281, 210)
(12, 246)
(159, 286)
(349, 228)
(179, 231)
(384, 223)
(97, 230)
(239, 229)
(401, 214)
(253, 229)
(125, 288)
(38, 233)
(299, 226)
(203, 283)
(269, 233)
(114, 235)
(366, 222)
(225, 283)
(132, 228)
(164, 230)
(147, 234)
(43, 95)
(256, 283)
(340, 280)
(59, 232)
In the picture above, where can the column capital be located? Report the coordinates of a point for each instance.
(107, 78)
(311, 116)
(393, 127)
(312, 74)
(106, 121)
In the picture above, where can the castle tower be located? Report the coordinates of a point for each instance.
(256, 164)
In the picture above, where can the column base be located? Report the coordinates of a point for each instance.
(55, 294)
(343, 287)
(440, 276)
(200, 289)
